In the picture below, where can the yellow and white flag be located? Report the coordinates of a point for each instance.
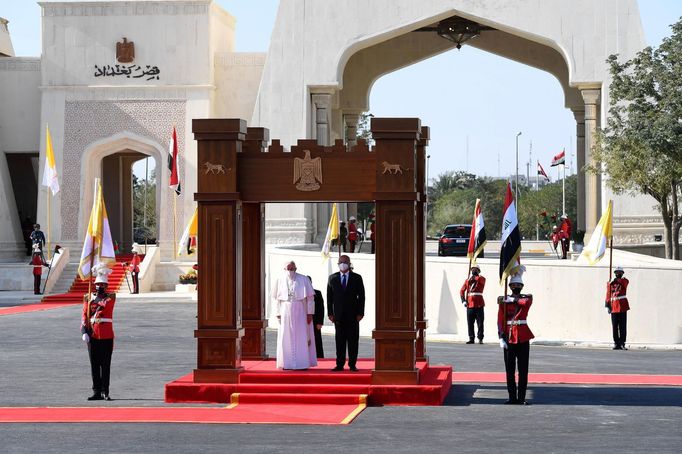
(332, 232)
(599, 240)
(188, 241)
(98, 246)
(50, 172)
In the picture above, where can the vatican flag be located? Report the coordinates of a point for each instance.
(332, 232)
(596, 248)
(50, 172)
(98, 246)
(188, 241)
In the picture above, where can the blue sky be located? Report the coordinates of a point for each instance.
(525, 99)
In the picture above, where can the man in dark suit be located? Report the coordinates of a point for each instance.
(318, 320)
(345, 308)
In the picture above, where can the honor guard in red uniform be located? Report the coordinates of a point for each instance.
(471, 294)
(373, 232)
(134, 268)
(97, 329)
(515, 336)
(617, 305)
(352, 233)
(38, 264)
(565, 230)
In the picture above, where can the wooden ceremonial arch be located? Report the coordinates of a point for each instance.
(238, 173)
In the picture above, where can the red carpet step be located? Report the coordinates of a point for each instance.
(300, 399)
(79, 287)
(262, 382)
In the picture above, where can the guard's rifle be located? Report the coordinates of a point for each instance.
(551, 245)
(125, 273)
(49, 267)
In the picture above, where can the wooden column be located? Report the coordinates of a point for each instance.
(219, 331)
(421, 243)
(396, 249)
(253, 261)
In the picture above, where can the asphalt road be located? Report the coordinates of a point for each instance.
(43, 362)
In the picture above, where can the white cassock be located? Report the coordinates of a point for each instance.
(295, 337)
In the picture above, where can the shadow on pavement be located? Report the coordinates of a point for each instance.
(642, 396)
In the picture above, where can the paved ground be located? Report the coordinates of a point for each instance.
(43, 362)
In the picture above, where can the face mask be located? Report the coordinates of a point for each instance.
(292, 274)
(516, 291)
(343, 267)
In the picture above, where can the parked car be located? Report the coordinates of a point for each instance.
(455, 240)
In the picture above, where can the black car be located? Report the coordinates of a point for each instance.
(455, 240)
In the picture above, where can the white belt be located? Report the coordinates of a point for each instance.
(614, 298)
(517, 322)
(475, 294)
(101, 320)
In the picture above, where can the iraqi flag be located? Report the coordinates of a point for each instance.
(477, 239)
(174, 181)
(510, 251)
(559, 159)
(542, 172)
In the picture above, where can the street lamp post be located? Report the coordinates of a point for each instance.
(516, 191)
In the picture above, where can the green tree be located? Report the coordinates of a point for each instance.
(641, 146)
(456, 205)
(364, 127)
(144, 189)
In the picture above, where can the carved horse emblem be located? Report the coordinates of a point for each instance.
(307, 172)
(214, 169)
(392, 169)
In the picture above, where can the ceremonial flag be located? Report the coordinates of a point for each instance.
(542, 172)
(98, 246)
(50, 172)
(188, 241)
(332, 232)
(477, 238)
(559, 159)
(174, 181)
(596, 248)
(511, 238)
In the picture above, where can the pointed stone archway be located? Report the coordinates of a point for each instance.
(111, 159)
(238, 173)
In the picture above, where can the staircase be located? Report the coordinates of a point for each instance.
(262, 383)
(78, 287)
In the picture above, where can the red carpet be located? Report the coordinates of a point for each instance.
(262, 382)
(234, 414)
(33, 307)
(573, 379)
(75, 294)
(79, 287)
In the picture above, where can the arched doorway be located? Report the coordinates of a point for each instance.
(130, 198)
(112, 159)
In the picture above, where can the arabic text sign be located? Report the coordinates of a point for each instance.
(129, 71)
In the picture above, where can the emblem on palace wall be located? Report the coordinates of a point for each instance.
(125, 51)
(307, 173)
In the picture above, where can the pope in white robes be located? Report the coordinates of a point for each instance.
(295, 305)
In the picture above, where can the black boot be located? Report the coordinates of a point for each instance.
(96, 396)
(471, 340)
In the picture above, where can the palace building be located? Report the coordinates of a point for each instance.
(115, 77)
